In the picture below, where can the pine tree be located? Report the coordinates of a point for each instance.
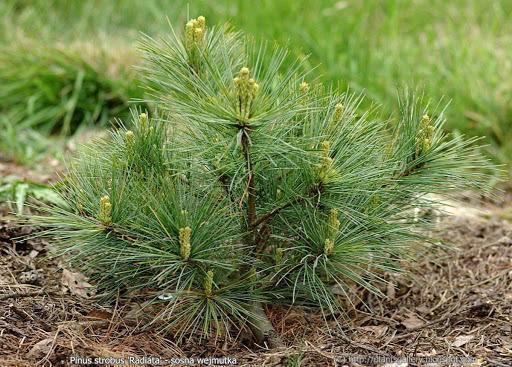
(248, 186)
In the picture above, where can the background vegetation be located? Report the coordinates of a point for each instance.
(460, 49)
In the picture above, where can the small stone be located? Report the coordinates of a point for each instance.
(461, 340)
(33, 277)
(412, 322)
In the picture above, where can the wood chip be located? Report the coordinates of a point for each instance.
(461, 340)
(412, 322)
(76, 283)
(377, 331)
(41, 349)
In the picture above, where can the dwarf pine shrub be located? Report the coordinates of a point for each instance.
(250, 185)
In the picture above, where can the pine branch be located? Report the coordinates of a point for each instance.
(314, 191)
(224, 180)
(251, 189)
(265, 218)
(263, 330)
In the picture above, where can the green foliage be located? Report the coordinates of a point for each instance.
(17, 191)
(251, 186)
(21, 145)
(295, 360)
(55, 90)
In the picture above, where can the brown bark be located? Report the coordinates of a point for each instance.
(262, 329)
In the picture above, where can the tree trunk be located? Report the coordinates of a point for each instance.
(262, 329)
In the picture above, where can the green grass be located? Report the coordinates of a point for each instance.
(56, 90)
(17, 191)
(52, 90)
(459, 50)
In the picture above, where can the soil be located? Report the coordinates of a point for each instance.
(453, 303)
